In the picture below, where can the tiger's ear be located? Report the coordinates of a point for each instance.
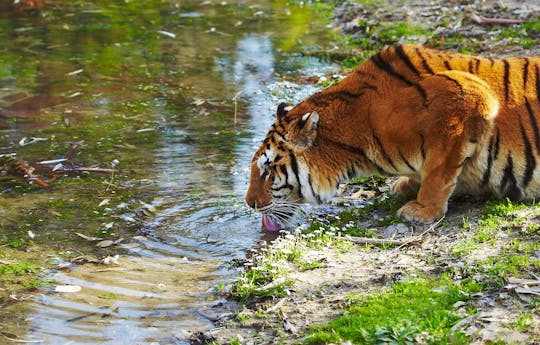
(282, 110)
(303, 136)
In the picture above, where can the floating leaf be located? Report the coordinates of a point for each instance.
(67, 288)
(111, 260)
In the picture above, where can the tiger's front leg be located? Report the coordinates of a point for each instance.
(440, 174)
(460, 112)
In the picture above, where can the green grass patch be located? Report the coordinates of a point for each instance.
(510, 265)
(18, 269)
(395, 31)
(526, 34)
(412, 311)
(109, 295)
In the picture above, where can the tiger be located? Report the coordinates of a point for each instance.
(444, 123)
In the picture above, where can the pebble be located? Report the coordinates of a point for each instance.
(395, 229)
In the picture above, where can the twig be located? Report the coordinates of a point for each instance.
(378, 241)
(483, 20)
(82, 169)
(419, 237)
(20, 341)
(74, 146)
(235, 99)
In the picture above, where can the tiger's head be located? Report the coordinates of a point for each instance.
(281, 172)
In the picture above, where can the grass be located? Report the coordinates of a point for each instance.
(266, 275)
(410, 311)
(503, 242)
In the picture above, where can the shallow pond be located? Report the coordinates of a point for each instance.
(178, 95)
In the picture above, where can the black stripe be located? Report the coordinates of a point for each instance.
(323, 99)
(471, 67)
(487, 173)
(351, 172)
(403, 56)
(452, 79)
(497, 144)
(537, 75)
(385, 154)
(406, 161)
(492, 61)
(294, 167)
(381, 64)
(422, 148)
(284, 171)
(277, 158)
(272, 131)
(285, 186)
(357, 151)
(477, 67)
(287, 119)
(446, 62)
(506, 80)
(352, 149)
(525, 73)
(509, 186)
(534, 125)
(424, 62)
(317, 197)
(530, 161)
(464, 161)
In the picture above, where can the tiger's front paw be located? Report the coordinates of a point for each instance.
(405, 186)
(415, 212)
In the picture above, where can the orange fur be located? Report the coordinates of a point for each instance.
(445, 122)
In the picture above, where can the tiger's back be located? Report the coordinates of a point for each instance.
(506, 160)
(443, 121)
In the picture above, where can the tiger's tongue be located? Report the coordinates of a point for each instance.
(270, 224)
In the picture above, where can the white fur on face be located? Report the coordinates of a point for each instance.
(264, 160)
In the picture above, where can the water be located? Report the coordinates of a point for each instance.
(182, 93)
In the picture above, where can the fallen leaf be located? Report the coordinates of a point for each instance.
(166, 33)
(88, 238)
(75, 72)
(104, 243)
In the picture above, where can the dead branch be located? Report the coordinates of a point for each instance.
(19, 167)
(503, 21)
(383, 241)
(85, 169)
(74, 146)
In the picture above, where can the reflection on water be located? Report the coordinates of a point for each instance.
(192, 62)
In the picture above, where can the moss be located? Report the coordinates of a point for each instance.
(20, 271)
